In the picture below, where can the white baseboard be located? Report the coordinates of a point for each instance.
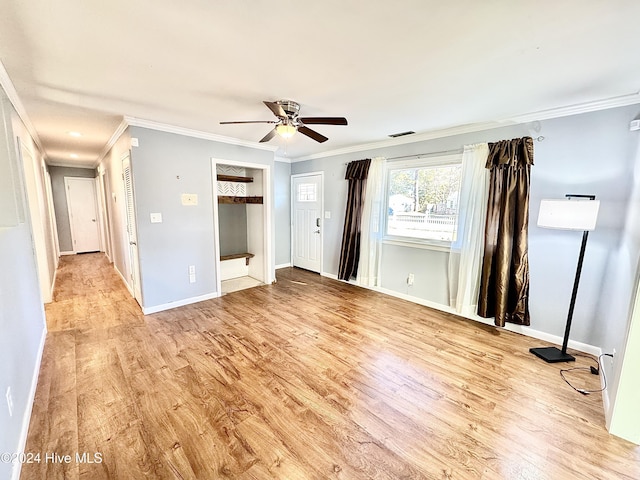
(67, 253)
(606, 401)
(53, 283)
(26, 420)
(283, 265)
(124, 280)
(179, 303)
(523, 330)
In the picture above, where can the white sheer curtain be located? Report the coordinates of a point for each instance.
(465, 259)
(371, 226)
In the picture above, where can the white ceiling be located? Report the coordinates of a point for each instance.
(388, 67)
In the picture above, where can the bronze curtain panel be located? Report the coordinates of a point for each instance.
(350, 254)
(504, 285)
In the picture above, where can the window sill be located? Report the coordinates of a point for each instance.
(439, 247)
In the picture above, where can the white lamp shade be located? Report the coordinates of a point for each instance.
(569, 214)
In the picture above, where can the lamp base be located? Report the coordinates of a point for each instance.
(552, 355)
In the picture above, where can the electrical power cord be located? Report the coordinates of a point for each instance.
(594, 370)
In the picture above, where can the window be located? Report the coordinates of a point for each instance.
(422, 200)
(306, 192)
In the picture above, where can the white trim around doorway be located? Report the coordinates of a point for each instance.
(269, 270)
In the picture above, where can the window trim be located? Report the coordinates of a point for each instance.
(419, 162)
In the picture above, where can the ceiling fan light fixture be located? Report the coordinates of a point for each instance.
(288, 122)
(285, 130)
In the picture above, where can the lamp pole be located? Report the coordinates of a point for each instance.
(574, 294)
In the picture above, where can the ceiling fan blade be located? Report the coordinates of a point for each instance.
(249, 121)
(277, 110)
(323, 120)
(269, 136)
(312, 134)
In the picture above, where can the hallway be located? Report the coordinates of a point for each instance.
(79, 401)
(306, 379)
(90, 295)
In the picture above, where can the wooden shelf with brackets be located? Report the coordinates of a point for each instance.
(246, 256)
(229, 199)
(233, 178)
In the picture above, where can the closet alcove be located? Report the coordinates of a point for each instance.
(241, 227)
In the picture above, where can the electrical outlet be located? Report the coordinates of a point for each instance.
(192, 278)
(9, 401)
(410, 279)
(192, 269)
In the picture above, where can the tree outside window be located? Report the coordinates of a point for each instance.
(423, 201)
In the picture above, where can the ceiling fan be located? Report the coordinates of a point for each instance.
(289, 122)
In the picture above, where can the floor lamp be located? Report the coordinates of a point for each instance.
(576, 212)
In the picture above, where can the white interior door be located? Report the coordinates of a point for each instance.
(83, 214)
(134, 266)
(306, 192)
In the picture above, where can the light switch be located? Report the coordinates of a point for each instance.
(327, 214)
(134, 142)
(156, 217)
(189, 199)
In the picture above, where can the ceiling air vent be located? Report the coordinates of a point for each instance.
(402, 134)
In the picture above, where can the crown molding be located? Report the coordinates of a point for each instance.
(282, 159)
(11, 92)
(163, 127)
(70, 165)
(577, 109)
(111, 142)
(392, 142)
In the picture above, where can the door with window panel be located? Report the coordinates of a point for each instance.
(307, 222)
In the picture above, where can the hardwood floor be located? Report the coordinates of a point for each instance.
(306, 379)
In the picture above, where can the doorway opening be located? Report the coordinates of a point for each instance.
(242, 221)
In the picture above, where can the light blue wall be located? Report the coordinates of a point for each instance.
(428, 282)
(166, 165)
(22, 322)
(283, 212)
(619, 286)
(232, 220)
(589, 153)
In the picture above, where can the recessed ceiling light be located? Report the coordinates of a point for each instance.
(75, 134)
(74, 155)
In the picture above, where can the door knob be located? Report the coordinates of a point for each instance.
(132, 243)
(93, 219)
(316, 231)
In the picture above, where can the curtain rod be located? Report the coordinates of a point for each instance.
(444, 152)
(430, 154)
